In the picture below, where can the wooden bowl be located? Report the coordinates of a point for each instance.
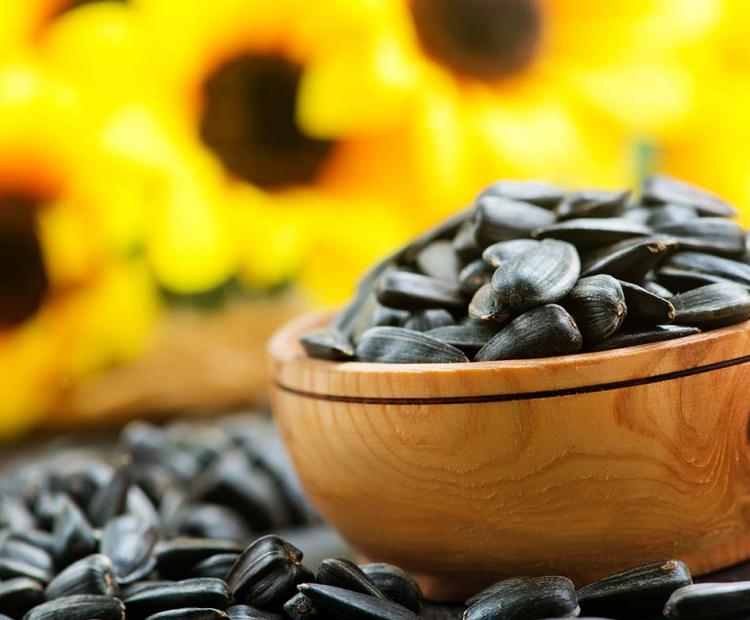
(578, 465)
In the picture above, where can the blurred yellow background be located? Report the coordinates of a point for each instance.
(178, 177)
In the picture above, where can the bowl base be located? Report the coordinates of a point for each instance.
(457, 588)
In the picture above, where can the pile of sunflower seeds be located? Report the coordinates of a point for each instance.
(177, 502)
(165, 527)
(532, 271)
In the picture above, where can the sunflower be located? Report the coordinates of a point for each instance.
(541, 88)
(70, 301)
(205, 96)
(24, 23)
(713, 151)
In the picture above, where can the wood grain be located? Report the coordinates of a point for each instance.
(580, 484)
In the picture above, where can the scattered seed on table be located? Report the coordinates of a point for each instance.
(637, 593)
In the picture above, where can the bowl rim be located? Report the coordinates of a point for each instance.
(295, 372)
(316, 318)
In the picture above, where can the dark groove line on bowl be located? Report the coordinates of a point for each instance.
(499, 398)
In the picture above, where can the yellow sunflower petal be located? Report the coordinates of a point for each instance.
(48, 155)
(377, 80)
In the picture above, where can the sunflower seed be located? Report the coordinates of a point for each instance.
(485, 306)
(403, 346)
(469, 337)
(327, 344)
(591, 231)
(383, 315)
(396, 584)
(499, 219)
(10, 569)
(408, 254)
(413, 291)
(531, 597)
(142, 586)
(424, 320)
(474, 275)
(714, 305)
(657, 289)
(710, 601)
(714, 235)
(139, 504)
(629, 260)
(47, 504)
(234, 481)
(129, 542)
(189, 613)
(13, 548)
(109, 501)
(644, 335)
(499, 252)
(593, 203)
(660, 189)
(681, 280)
(636, 593)
(15, 515)
(671, 214)
(20, 559)
(217, 566)
(91, 575)
(355, 316)
(213, 521)
(346, 574)
(300, 607)
(539, 193)
(19, 595)
(725, 268)
(340, 603)
(637, 215)
(598, 306)
(176, 557)
(439, 260)
(267, 573)
(39, 538)
(465, 242)
(79, 607)
(81, 476)
(74, 537)
(541, 332)
(541, 275)
(145, 443)
(212, 593)
(499, 586)
(245, 612)
(645, 307)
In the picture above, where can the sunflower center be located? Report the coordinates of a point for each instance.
(249, 122)
(23, 278)
(485, 39)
